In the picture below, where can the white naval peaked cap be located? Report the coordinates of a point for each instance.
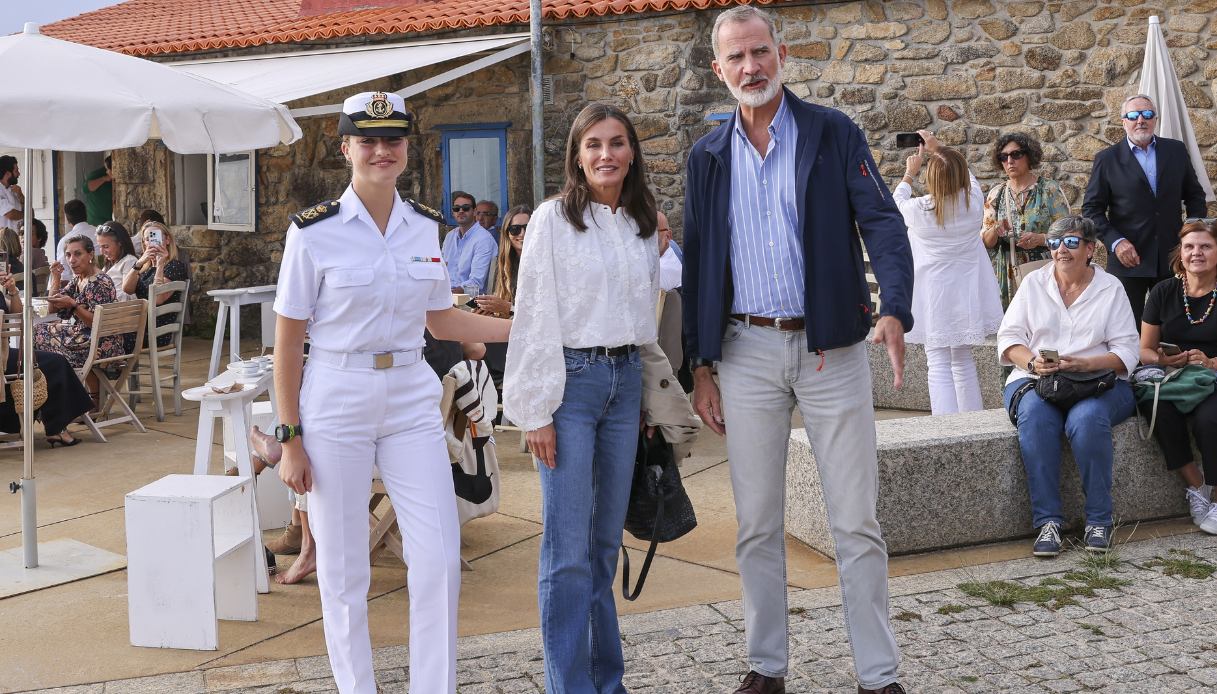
(375, 114)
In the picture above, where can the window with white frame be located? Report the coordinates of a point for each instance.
(475, 161)
(215, 190)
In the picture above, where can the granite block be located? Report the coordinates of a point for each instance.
(958, 480)
(915, 393)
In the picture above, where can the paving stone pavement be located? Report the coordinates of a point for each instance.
(1154, 635)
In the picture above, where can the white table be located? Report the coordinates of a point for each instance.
(230, 302)
(190, 559)
(235, 408)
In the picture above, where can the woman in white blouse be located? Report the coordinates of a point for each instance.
(1075, 309)
(585, 301)
(118, 255)
(955, 297)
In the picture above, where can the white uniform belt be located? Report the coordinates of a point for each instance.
(366, 360)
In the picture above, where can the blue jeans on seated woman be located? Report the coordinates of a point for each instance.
(584, 501)
(1088, 425)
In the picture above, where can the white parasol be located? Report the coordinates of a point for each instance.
(70, 97)
(1160, 83)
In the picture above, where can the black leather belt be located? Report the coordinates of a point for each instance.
(788, 324)
(606, 351)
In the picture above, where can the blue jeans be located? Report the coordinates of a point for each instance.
(583, 504)
(1088, 425)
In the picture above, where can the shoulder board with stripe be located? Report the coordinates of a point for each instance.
(428, 212)
(314, 214)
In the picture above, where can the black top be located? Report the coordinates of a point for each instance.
(1164, 307)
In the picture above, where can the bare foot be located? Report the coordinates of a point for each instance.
(304, 565)
(265, 446)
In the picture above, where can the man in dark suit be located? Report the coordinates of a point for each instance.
(1134, 194)
(776, 299)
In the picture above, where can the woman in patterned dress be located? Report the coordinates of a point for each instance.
(1019, 210)
(74, 303)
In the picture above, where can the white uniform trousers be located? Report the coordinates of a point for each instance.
(352, 418)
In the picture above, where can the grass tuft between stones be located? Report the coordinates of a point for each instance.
(1052, 592)
(952, 608)
(906, 616)
(1183, 562)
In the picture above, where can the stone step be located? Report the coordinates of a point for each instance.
(958, 480)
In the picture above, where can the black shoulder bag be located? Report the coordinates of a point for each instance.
(659, 509)
(1067, 388)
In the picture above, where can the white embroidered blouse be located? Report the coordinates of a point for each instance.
(596, 288)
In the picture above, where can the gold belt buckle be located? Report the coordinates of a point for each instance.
(383, 360)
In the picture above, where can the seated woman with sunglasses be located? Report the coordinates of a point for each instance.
(66, 399)
(504, 273)
(1019, 210)
(1068, 316)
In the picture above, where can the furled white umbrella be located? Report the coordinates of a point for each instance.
(66, 96)
(1160, 83)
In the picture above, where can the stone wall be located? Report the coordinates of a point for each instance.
(967, 69)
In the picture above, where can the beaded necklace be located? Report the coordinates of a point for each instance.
(1187, 309)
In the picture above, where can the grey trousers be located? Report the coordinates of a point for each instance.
(763, 375)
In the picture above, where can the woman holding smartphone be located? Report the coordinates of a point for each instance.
(1178, 328)
(159, 264)
(585, 301)
(363, 274)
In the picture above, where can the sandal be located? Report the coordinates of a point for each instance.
(58, 440)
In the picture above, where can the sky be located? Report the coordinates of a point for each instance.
(15, 13)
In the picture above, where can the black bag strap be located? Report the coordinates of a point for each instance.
(646, 563)
(1016, 398)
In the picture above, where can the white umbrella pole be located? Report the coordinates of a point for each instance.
(29, 505)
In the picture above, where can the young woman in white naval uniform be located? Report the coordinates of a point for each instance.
(363, 274)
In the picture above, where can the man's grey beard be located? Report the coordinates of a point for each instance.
(1141, 139)
(757, 99)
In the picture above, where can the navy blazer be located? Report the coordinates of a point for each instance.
(1122, 205)
(839, 194)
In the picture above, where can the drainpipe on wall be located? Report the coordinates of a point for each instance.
(538, 103)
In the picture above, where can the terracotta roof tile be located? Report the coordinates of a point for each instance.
(149, 27)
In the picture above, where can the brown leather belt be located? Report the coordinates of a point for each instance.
(784, 324)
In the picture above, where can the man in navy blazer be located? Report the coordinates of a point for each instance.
(776, 299)
(1135, 190)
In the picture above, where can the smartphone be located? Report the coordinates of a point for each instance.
(1169, 349)
(4, 261)
(906, 140)
(1050, 355)
(155, 238)
(473, 304)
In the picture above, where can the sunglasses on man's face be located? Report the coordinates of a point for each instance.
(516, 229)
(1015, 155)
(1071, 242)
(1146, 113)
(462, 208)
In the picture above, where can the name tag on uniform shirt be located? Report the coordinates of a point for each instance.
(421, 259)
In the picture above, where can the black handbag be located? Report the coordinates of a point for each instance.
(659, 509)
(1067, 388)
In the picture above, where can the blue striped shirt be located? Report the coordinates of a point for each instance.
(766, 241)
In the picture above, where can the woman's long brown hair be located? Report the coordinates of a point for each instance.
(636, 197)
(508, 255)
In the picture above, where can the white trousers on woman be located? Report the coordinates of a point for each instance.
(352, 418)
(954, 386)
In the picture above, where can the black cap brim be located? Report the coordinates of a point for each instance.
(396, 124)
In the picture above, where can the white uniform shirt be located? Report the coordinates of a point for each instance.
(595, 288)
(670, 271)
(363, 291)
(81, 229)
(1097, 322)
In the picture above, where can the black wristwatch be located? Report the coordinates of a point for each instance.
(287, 432)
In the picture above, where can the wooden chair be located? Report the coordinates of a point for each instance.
(117, 319)
(10, 334)
(154, 353)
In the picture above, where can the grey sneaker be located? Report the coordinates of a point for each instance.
(1209, 523)
(1199, 504)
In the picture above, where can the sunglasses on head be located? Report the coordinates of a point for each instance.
(462, 208)
(516, 229)
(1015, 155)
(1146, 113)
(1071, 242)
(1202, 220)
